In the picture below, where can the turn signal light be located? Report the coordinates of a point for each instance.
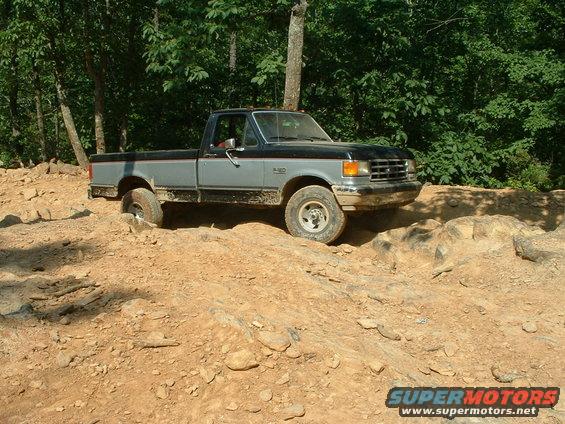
(350, 169)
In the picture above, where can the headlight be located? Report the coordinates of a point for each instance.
(354, 168)
(411, 168)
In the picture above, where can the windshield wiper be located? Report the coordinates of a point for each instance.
(283, 137)
(315, 138)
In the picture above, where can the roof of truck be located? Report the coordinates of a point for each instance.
(254, 109)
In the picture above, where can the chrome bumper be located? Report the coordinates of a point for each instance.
(376, 195)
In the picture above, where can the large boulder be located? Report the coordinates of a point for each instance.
(541, 247)
(68, 169)
(453, 242)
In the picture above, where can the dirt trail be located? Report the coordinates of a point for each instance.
(85, 292)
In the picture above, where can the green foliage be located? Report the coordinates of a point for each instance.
(475, 88)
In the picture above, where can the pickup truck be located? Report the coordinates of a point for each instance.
(262, 157)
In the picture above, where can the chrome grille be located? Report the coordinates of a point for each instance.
(388, 169)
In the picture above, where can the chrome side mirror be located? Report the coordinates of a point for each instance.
(229, 144)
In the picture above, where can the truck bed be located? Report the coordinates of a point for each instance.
(142, 156)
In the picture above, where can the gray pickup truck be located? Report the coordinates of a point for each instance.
(263, 157)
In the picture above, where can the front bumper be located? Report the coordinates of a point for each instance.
(376, 195)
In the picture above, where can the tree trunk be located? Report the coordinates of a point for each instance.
(233, 52)
(123, 133)
(97, 74)
(99, 88)
(294, 55)
(74, 139)
(39, 114)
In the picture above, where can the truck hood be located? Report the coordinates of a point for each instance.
(335, 150)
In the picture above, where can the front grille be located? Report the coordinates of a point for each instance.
(389, 169)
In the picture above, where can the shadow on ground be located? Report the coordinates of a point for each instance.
(46, 256)
(542, 209)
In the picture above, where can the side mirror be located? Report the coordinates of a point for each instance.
(229, 144)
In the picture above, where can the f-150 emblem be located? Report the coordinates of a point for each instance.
(279, 170)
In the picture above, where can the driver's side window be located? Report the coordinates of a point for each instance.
(236, 127)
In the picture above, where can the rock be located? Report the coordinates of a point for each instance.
(389, 334)
(334, 361)
(376, 366)
(275, 341)
(450, 349)
(36, 384)
(162, 392)
(541, 247)
(207, 375)
(64, 358)
(293, 352)
(293, 411)
(134, 307)
(232, 406)
(170, 382)
(241, 360)
(529, 327)
(135, 224)
(30, 193)
(285, 378)
(65, 320)
(266, 395)
(79, 403)
(53, 168)
(10, 220)
(368, 323)
(41, 169)
(68, 169)
(225, 349)
(504, 377)
(252, 408)
(442, 369)
(452, 202)
(44, 213)
(441, 252)
(32, 215)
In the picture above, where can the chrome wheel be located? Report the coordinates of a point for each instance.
(313, 216)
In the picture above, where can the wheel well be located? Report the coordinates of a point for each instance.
(300, 182)
(130, 183)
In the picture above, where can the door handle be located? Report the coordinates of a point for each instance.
(210, 155)
(231, 158)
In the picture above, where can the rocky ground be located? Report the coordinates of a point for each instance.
(222, 317)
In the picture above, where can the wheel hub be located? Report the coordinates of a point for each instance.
(313, 216)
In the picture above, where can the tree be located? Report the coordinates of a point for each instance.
(294, 55)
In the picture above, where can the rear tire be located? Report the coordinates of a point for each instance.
(143, 204)
(313, 213)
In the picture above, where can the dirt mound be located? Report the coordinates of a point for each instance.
(106, 319)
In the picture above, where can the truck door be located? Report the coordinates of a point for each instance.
(239, 180)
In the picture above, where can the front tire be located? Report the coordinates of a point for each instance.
(313, 213)
(143, 204)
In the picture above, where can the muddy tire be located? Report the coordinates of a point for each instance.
(313, 213)
(143, 204)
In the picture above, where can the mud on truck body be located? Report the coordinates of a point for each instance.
(263, 157)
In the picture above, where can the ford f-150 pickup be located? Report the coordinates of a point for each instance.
(262, 157)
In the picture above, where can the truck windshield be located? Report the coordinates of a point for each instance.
(289, 126)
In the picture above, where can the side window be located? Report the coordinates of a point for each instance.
(229, 126)
(249, 139)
